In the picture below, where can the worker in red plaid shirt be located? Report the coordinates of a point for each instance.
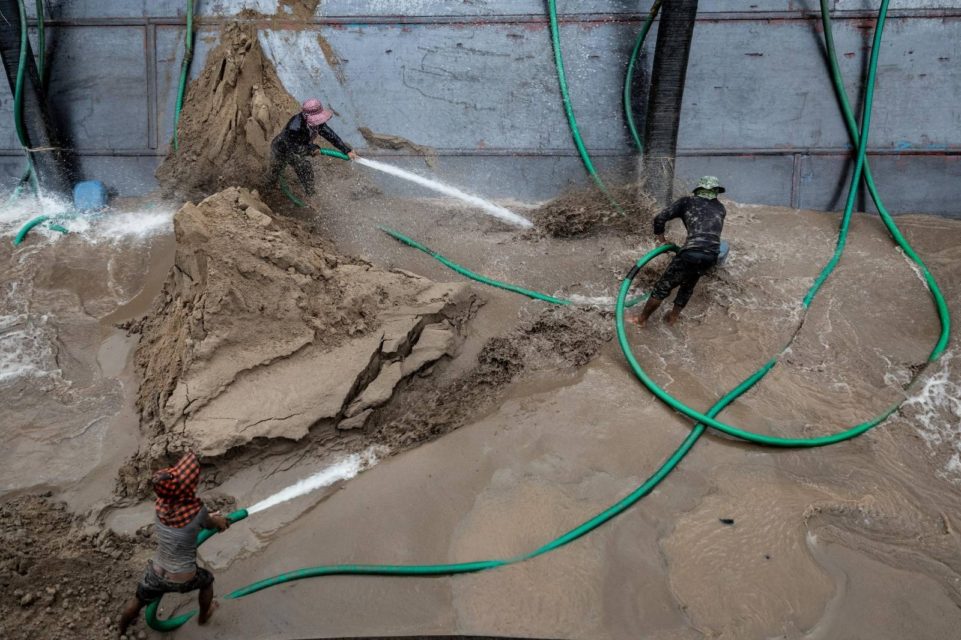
(180, 516)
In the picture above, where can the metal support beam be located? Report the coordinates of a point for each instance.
(150, 49)
(569, 18)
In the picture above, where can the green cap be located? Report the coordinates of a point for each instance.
(710, 183)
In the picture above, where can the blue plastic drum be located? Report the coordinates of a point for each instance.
(90, 195)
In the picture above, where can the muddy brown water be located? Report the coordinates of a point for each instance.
(855, 540)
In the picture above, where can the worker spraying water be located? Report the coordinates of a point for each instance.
(180, 516)
(296, 142)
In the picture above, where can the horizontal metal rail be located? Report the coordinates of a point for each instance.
(552, 153)
(281, 22)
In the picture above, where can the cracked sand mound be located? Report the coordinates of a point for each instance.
(262, 331)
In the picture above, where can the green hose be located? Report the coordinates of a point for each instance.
(629, 76)
(28, 172)
(30, 224)
(710, 420)
(184, 70)
(838, 82)
(25, 229)
(21, 73)
(535, 295)
(290, 194)
(443, 569)
(703, 420)
(473, 275)
(333, 153)
(569, 108)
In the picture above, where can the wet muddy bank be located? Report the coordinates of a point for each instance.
(543, 426)
(735, 520)
(523, 422)
(451, 422)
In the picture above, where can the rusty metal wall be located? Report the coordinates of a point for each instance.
(475, 81)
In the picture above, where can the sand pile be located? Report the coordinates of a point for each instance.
(579, 212)
(230, 115)
(557, 338)
(61, 578)
(263, 331)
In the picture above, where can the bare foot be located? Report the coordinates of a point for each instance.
(671, 319)
(204, 619)
(637, 321)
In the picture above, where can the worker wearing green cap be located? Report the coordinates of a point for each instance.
(703, 217)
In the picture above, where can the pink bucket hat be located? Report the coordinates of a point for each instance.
(315, 113)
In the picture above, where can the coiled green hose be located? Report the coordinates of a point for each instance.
(851, 432)
(702, 420)
(838, 82)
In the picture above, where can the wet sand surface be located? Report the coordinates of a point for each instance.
(854, 540)
(70, 387)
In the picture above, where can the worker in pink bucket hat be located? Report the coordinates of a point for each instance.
(296, 142)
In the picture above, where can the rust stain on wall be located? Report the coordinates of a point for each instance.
(397, 143)
(300, 9)
(333, 60)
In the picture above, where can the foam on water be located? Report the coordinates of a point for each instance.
(108, 226)
(937, 412)
(23, 349)
(488, 207)
(13, 214)
(342, 470)
(591, 301)
(115, 226)
(26, 338)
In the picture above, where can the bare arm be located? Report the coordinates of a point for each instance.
(216, 521)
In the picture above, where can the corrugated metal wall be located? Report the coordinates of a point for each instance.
(475, 80)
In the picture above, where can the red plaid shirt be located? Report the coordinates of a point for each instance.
(177, 502)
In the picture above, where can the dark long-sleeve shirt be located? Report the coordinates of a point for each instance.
(703, 218)
(297, 137)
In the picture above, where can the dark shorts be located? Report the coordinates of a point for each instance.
(152, 586)
(685, 270)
